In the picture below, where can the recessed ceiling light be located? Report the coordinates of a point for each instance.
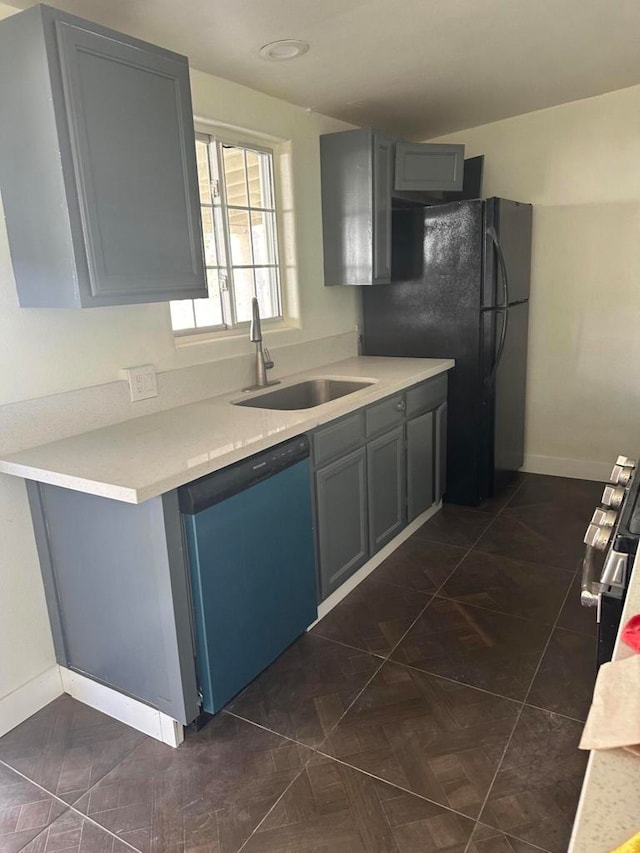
(277, 51)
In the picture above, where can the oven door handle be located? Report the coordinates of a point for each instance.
(590, 588)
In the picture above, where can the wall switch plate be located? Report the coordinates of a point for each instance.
(142, 382)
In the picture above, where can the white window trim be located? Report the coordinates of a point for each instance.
(276, 145)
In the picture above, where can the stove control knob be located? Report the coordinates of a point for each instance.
(626, 462)
(621, 474)
(597, 537)
(613, 496)
(603, 517)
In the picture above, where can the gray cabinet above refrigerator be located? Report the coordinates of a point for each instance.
(362, 171)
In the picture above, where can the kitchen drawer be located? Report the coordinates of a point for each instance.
(426, 396)
(338, 438)
(385, 415)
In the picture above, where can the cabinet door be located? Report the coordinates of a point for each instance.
(441, 451)
(386, 487)
(425, 166)
(420, 464)
(341, 500)
(131, 129)
(382, 178)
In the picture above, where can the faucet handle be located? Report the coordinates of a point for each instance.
(268, 363)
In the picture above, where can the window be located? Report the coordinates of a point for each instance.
(237, 200)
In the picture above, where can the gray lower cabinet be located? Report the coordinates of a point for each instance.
(97, 165)
(341, 506)
(441, 451)
(376, 470)
(420, 464)
(386, 487)
(115, 577)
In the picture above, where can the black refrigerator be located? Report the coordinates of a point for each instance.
(460, 289)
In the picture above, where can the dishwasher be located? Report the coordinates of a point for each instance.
(251, 552)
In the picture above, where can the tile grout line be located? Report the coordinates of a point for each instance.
(519, 715)
(318, 749)
(314, 751)
(68, 807)
(396, 786)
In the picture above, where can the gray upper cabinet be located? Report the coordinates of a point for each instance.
(382, 182)
(426, 166)
(361, 172)
(357, 170)
(97, 165)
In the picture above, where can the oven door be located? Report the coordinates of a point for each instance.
(609, 615)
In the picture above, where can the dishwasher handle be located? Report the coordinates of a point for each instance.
(213, 488)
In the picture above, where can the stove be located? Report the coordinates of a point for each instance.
(611, 543)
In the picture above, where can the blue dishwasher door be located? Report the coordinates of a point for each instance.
(253, 576)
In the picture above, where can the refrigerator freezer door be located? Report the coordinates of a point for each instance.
(511, 221)
(503, 406)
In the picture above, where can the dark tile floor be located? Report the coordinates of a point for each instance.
(437, 708)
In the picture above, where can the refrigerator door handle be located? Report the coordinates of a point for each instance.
(503, 337)
(491, 231)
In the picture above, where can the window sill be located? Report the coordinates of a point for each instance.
(240, 333)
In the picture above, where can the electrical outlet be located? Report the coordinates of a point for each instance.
(142, 382)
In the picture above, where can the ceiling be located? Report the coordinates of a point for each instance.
(417, 68)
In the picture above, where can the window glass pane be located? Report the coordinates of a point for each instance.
(240, 238)
(243, 293)
(210, 255)
(263, 235)
(267, 291)
(208, 312)
(182, 315)
(234, 175)
(219, 228)
(259, 178)
(204, 178)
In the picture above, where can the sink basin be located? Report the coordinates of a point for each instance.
(304, 395)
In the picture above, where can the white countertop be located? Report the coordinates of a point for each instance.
(609, 809)
(146, 456)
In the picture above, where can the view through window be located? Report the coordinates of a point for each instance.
(238, 207)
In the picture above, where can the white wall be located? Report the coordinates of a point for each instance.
(579, 164)
(43, 352)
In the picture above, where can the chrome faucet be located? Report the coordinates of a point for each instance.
(263, 359)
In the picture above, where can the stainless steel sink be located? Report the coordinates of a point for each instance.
(304, 395)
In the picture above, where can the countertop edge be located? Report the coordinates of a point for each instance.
(18, 464)
(604, 817)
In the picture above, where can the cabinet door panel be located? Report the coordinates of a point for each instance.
(382, 178)
(426, 166)
(341, 501)
(129, 117)
(386, 487)
(420, 464)
(441, 451)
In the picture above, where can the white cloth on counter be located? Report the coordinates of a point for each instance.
(614, 717)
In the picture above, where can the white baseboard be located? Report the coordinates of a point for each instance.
(337, 596)
(130, 711)
(578, 469)
(23, 702)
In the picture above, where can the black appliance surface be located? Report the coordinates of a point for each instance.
(625, 541)
(450, 298)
